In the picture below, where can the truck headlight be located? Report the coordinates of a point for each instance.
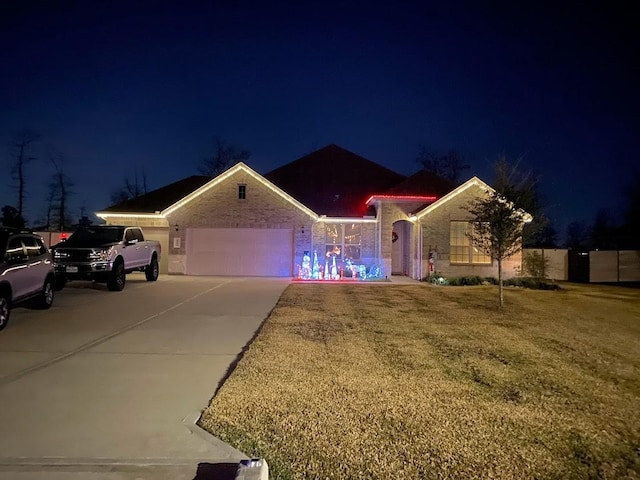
(101, 255)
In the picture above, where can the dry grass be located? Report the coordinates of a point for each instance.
(419, 382)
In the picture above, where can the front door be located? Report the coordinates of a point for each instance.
(397, 249)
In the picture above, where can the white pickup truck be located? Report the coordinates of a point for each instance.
(105, 253)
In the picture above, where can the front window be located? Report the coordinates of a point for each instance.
(461, 249)
(343, 241)
(242, 192)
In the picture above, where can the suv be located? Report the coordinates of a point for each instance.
(26, 272)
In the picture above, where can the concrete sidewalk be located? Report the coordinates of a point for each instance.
(109, 385)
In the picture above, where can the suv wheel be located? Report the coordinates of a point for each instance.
(4, 310)
(151, 272)
(117, 279)
(45, 299)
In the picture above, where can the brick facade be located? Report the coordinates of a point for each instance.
(217, 205)
(220, 207)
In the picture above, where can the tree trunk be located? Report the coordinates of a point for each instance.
(20, 180)
(500, 283)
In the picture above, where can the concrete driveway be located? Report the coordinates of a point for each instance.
(107, 385)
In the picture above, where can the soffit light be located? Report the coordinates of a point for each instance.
(325, 219)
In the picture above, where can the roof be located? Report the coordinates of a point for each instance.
(161, 198)
(423, 183)
(333, 181)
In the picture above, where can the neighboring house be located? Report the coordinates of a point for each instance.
(332, 205)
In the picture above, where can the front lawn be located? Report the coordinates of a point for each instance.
(419, 382)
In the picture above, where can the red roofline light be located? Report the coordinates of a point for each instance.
(407, 198)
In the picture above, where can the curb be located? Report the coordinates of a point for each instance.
(248, 468)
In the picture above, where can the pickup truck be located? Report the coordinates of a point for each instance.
(105, 253)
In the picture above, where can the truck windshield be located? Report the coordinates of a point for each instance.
(97, 236)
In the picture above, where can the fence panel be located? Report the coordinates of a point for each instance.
(629, 262)
(603, 266)
(558, 259)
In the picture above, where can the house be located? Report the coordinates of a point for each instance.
(329, 214)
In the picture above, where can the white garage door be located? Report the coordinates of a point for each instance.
(240, 251)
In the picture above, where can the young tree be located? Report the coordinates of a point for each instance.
(21, 144)
(449, 165)
(499, 217)
(224, 156)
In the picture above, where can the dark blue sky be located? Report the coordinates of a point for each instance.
(119, 87)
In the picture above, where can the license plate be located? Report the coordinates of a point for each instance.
(71, 269)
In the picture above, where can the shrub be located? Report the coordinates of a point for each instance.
(466, 280)
(535, 265)
(533, 283)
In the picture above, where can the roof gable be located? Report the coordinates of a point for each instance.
(334, 181)
(472, 182)
(239, 167)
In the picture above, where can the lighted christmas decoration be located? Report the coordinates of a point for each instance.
(315, 273)
(305, 270)
(335, 269)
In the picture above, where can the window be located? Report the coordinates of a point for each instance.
(134, 234)
(461, 249)
(15, 250)
(343, 241)
(242, 192)
(34, 247)
(352, 241)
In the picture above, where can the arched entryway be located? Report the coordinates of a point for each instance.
(400, 252)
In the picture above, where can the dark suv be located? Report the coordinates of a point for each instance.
(26, 272)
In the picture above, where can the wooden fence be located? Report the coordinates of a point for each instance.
(597, 266)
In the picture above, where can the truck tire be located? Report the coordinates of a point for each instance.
(5, 309)
(117, 278)
(45, 299)
(152, 270)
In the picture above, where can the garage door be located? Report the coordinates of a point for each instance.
(240, 251)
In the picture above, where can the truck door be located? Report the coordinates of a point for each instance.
(134, 248)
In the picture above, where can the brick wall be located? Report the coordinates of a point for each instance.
(436, 237)
(220, 207)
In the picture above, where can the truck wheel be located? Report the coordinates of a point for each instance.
(5, 310)
(45, 299)
(152, 270)
(117, 279)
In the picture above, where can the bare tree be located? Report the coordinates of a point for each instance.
(224, 156)
(21, 145)
(131, 188)
(449, 165)
(51, 198)
(577, 236)
(60, 189)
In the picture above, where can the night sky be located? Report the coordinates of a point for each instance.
(117, 88)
